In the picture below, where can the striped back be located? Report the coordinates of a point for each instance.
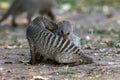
(50, 25)
(53, 46)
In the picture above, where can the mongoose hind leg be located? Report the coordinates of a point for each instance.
(16, 13)
(29, 16)
(14, 24)
(47, 12)
(50, 14)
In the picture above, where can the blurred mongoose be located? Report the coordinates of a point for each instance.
(45, 44)
(31, 7)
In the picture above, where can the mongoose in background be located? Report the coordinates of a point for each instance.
(31, 7)
(66, 30)
(45, 44)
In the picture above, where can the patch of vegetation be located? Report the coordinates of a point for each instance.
(5, 0)
(90, 5)
(95, 74)
(110, 31)
(111, 43)
(15, 43)
(14, 38)
(72, 2)
(105, 31)
(66, 72)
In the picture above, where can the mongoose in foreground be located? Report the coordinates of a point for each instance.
(45, 44)
(65, 29)
(31, 7)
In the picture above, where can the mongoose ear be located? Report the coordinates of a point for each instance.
(68, 33)
(51, 28)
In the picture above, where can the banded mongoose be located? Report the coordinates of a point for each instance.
(65, 29)
(31, 7)
(46, 44)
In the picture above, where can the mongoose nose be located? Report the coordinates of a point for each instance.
(65, 36)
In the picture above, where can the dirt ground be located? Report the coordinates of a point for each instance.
(14, 52)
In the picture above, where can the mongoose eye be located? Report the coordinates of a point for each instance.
(62, 32)
(68, 33)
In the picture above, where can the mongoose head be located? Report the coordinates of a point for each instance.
(65, 29)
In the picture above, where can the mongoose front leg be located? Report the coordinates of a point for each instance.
(33, 56)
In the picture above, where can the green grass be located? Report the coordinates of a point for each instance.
(90, 4)
(105, 31)
(14, 38)
(110, 31)
(6, 0)
(65, 72)
(85, 3)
